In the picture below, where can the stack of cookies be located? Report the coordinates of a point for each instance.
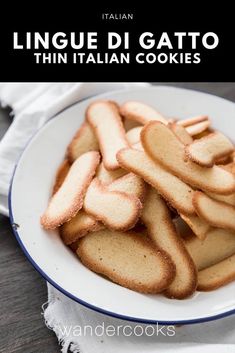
(148, 201)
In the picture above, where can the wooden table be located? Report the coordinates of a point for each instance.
(22, 289)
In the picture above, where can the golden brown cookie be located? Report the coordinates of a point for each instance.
(165, 148)
(108, 176)
(217, 275)
(83, 141)
(130, 184)
(181, 133)
(104, 118)
(199, 128)
(68, 200)
(78, 227)
(83, 223)
(217, 246)
(141, 112)
(193, 120)
(207, 150)
(127, 259)
(216, 213)
(174, 190)
(117, 210)
(161, 230)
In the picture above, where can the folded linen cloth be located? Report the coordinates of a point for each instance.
(80, 329)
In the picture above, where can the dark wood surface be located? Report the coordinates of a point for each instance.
(22, 290)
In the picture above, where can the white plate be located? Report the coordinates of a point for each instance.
(30, 190)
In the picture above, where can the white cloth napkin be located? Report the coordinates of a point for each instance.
(33, 105)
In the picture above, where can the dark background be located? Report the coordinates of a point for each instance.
(217, 64)
(22, 289)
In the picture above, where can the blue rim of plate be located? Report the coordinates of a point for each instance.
(78, 300)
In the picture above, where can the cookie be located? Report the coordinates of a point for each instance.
(181, 133)
(199, 128)
(192, 121)
(78, 227)
(208, 149)
(83, 223)
(68, 200)
(61, 175)
(161, 230)
(174, 190)
(199, 227)
(127, 259)
(217, 246)
(229, 199)
(140, 112)
(117, 210)
(83, 141)
(106, 176)
(217, 275)
(130, 184)
(165, 148)
(216, 213)
(133, 135)
(107, 125)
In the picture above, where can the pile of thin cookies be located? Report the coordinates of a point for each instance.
(146, 201)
